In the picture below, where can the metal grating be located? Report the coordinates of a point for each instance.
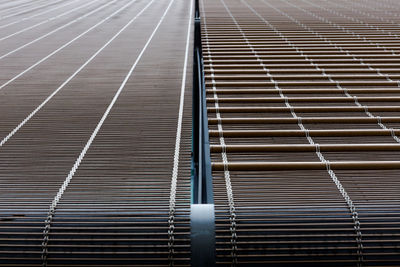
(95, 110)
(303, 110)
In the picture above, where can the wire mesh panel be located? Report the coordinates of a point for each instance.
(304, 133)
(95, 133)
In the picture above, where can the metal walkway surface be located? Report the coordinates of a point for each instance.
(303, 104)
(200, 132)
(95, 132)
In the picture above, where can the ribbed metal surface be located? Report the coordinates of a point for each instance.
(75, 120)
(302, 99)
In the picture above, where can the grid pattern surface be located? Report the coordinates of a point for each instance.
(90, 98)
(303, 105)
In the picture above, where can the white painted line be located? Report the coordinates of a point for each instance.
(8, 5)
(37, 14)
(57, 29)
(15, 130)
(78, 161)
(174, 178)
(29, 9)
(47, 20)
(63, 46)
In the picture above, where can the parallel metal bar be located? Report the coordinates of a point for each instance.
(202, 218)
(278, 166)
(305, 95)
(287, 133)
(286, 120)
(302, 99)
(303, 148)
(202, 177)
(261, 109)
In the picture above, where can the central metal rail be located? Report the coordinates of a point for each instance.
(202, 209)
(202, 192)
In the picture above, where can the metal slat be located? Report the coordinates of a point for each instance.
(92, 172)
(302, 105)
